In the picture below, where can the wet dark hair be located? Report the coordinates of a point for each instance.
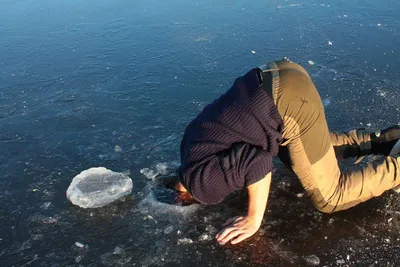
(168, 181)
(172, 197)
(165, 192)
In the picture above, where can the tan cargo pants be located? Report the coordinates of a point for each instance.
(308, 148)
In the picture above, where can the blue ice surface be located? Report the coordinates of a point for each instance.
(79, 78)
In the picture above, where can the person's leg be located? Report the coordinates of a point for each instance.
(309, 152)
(359, 142)
(354, 143)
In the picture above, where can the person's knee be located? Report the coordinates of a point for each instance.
(322, 203)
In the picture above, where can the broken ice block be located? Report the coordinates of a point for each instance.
(97, 187)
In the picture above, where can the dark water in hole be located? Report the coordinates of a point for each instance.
(79, 78)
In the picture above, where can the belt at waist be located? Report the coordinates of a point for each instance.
(265, 81)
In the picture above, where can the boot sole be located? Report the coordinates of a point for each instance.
(396, 150)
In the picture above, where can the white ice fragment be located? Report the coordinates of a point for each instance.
(176, 77)
(390, 220)
(345, 15)
(326, 102)
(79, 245)
(185, 241)
(79, 258)
(312, 259)
(168, 230)
(330, 43)
(348, 257)
(253, 52)
(300, 195)
(369, 124)
(118, 250)
(341, 261)
(46, 205)
(311, 62)
(205, 237)
(379, 25)
(97, 187)
(161, 168)
(117, 149)
(150, 174)
(387, 240)
(50, 220)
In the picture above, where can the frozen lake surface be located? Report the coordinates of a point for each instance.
(114, 83)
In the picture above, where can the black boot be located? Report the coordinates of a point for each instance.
(386, 142)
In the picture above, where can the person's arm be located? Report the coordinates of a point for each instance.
(239, 228)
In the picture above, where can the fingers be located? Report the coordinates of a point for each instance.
(236, 230)
(223, 233)
(229, 225)
(240, 238)
(229, 234)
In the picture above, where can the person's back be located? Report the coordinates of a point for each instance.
(240, 128)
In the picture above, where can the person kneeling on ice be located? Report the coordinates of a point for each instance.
(274, 110)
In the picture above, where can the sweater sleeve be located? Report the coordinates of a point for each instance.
(215, 177)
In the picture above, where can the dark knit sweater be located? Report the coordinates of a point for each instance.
(230, 144)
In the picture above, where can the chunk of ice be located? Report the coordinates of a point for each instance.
(97, 187)
(118, 250)
(341, 261)
(311, 62)
(46, 205)
(117, 149)
(312, 259)
(205, 237)
(79, 245)
(185, 241)
(168, 230)
(148, 173)
(162, 168)
(326, 102)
